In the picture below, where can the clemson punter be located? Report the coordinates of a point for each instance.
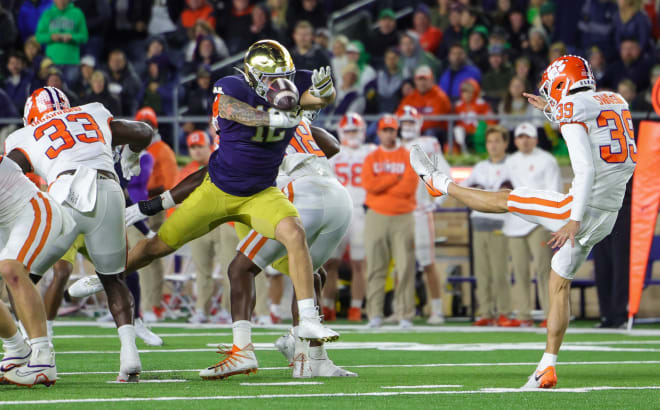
(598, 130)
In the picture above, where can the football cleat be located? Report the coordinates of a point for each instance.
(14, 359)
(235, 361)
(130, 366)
(286, 344)
(40, 369)
(405, 324)
(436, 181)
(86, 286)
(484, 321)
(355, 314)
(144, 333)
(302, 366)
(375, 322)
(435, 320)
(544, 323)
(545, 379)
(324, 367)
(311, 328)
(329, 314)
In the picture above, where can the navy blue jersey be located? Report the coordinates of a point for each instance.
(248, 158)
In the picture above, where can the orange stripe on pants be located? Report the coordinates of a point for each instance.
(539, 201)
(247, 242)
(540, 213)
(46, 232)
(257, 247)
(33, 230)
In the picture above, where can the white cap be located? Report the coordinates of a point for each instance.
(88, 60)
(525, 128)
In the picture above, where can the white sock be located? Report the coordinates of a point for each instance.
(302, 346)
(126, 334)
(242, 331)
(307, 307)
(329, 303)
(49, 329)
(548, 359)
(356, 303)
(317, 353)
(436, 306)
(40, 343)
(15, 343)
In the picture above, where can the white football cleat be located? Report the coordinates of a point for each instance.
(375, 322)
(302, 366)
(405, 324)
(235, 361)
(324, 367)
(198, 318)
(311, 328)
(144, 333)
(286, 344)
(86, 286)
(436, 181)
(13, 359)
(436, 320)
(130, 366)
(40, 369)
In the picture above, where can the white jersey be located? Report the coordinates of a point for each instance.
(431, 147)
(536, 170)
(489, 176)
(348, 168)
(62, 140)
(610, 149)
(16, 190)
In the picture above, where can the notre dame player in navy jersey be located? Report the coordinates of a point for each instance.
(240, 183)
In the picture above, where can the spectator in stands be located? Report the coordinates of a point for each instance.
(7, 109)
(163, 22)
(597, 26)
(428, 99)
(632, 23)
(534, 168)
(489, 245)
(389, 227)
(349, 97)
(440, 14)
(205, 55)
(627, 89)
(357, 55)
(518, 30)
(45, 67)
(611, 268)
(306, 55)
(522, 68)
(82, 84)
(385, 36)
(97, 16)
(162, 178)
(29, 15)
(158, 87)
(322, 38)
(537, 53)
(33, 56)
(306, 10)
(500, 16)
(478, 48)
(389, 81)
(278, 9)
(8, 33)
(55, 79)
(556, 50)
(597, 63)
(459, 70)
(130, 28)
(429, 37)
(468, 130)
(17, 83)
(453, 33)
(632, 64)
(202, 29)
(547, 13)
(231, 24)
(339, 58)
(199, 98)
(63, 30)
(643, 101)
(514, 103)
(261, 27)
(469, 20)
(498, 76)
(194, 11)
(123, 81)
(99, 93)
(413, 56)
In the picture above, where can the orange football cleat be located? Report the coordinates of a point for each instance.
(504, 321)
(484, 321)
(355, 314)
(329, 315)
(544, 379)
(544, 323)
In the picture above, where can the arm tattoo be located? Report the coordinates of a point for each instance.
(230, 108)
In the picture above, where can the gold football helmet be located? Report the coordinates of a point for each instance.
(265, 60)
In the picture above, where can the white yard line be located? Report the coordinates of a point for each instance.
(365, 366)
(322, 395)
(281, 384)
(424, 386)
(152, 381)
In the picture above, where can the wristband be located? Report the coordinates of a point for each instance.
(167, 200)
(152, 206)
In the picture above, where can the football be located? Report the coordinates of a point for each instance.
(282, 94)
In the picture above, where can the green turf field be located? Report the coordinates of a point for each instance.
(427, 367)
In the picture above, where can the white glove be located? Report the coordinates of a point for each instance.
(322, 86)
(284, 119)
(134, 215)
(130, 162)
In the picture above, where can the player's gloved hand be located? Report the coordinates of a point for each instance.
(322, 86)
(130, 162)
(284, 119)
(133, 215)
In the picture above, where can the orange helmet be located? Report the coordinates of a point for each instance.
(43, 101)
(411, 122)
(564, 74)
(147, 114)
(352, 130)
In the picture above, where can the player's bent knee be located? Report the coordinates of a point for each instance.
(11, 271)
(156, 247)
(290, 232)
(240, 266)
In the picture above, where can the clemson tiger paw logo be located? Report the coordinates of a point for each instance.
(556, 68)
